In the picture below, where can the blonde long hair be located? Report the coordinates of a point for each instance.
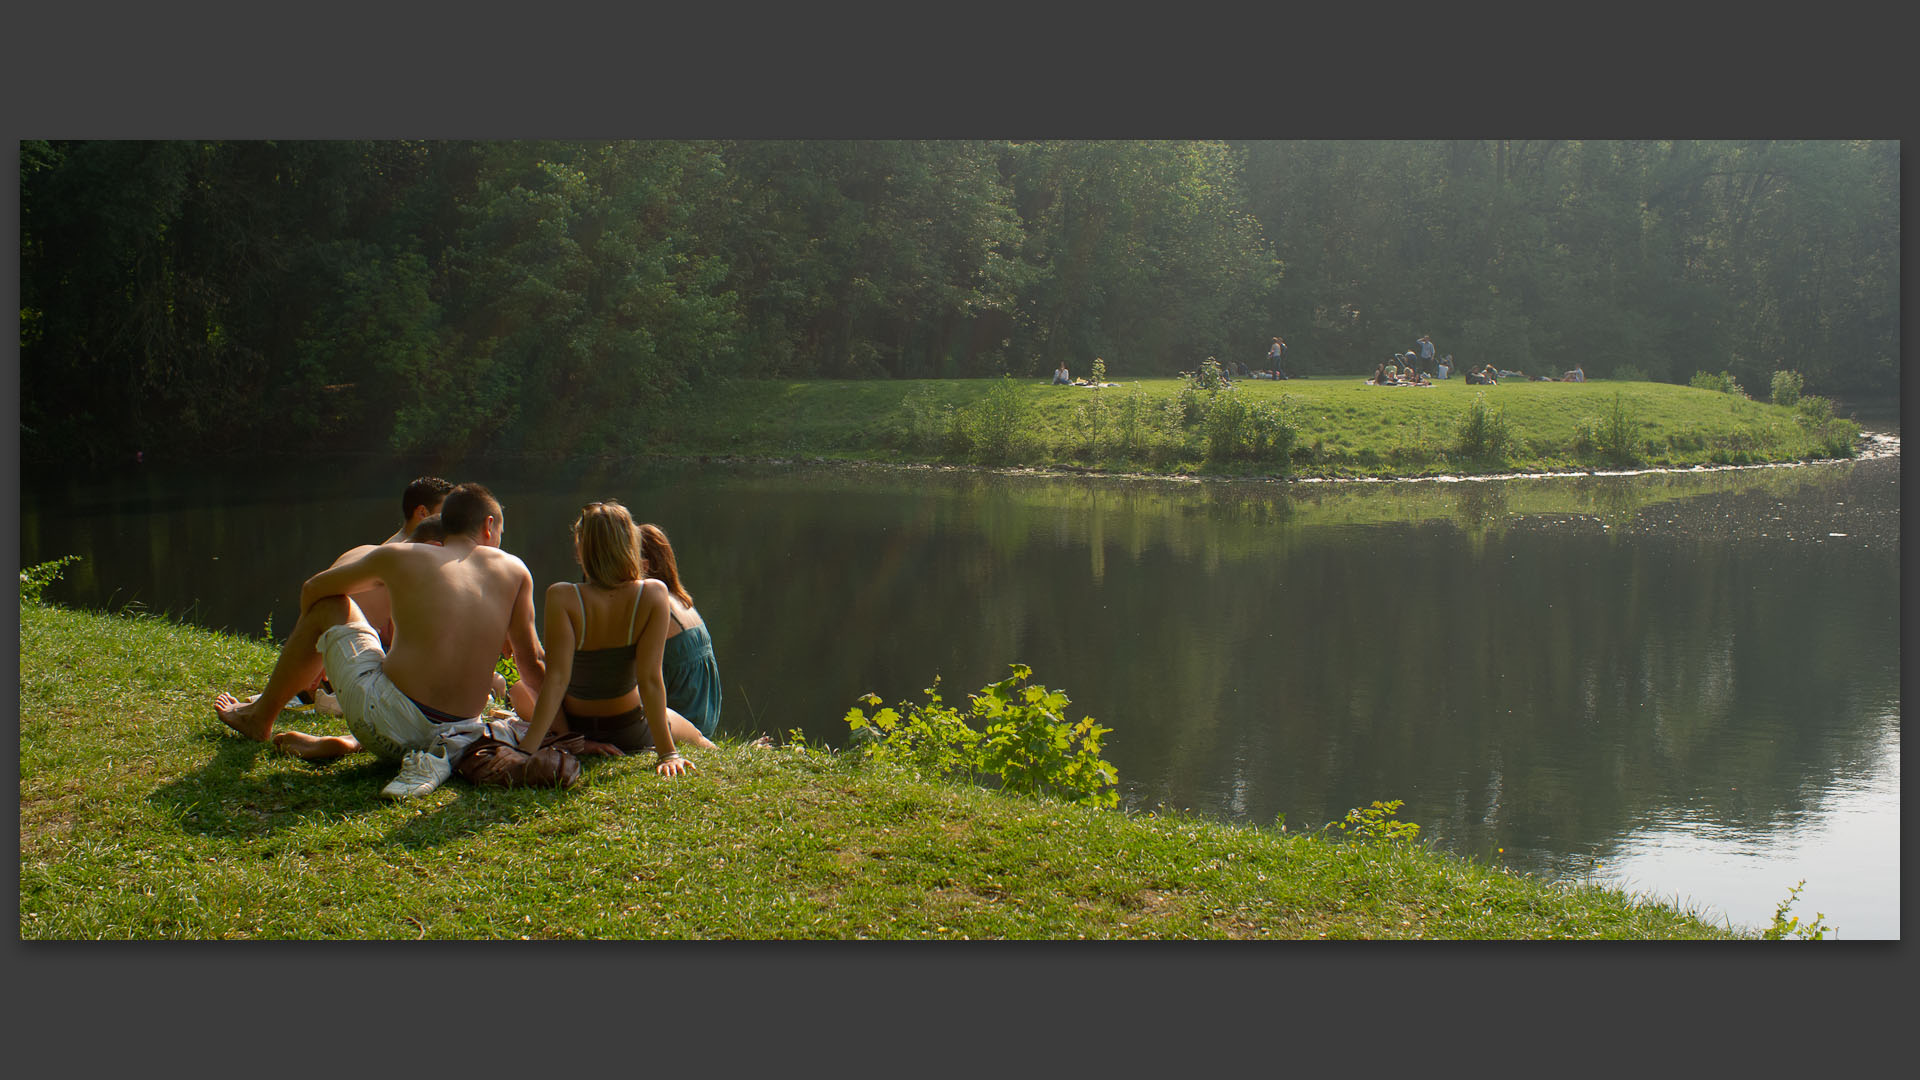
(608, 543)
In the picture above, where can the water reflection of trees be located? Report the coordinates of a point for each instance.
(1258, 653)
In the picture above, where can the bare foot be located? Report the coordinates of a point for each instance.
(315, 747)
(242, 716)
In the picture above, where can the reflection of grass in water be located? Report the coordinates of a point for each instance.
(1237, 521)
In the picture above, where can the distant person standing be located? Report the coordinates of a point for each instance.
(1426, 353)
(1278, 355)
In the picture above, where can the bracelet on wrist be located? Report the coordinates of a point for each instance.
(671, 755)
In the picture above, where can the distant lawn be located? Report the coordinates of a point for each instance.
(142, 817)
(1338, 426)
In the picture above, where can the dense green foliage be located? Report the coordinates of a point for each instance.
(564, 297)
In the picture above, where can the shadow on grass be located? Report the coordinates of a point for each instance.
(250, 789)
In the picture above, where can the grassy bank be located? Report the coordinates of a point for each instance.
(141, 817)
(1323, 427)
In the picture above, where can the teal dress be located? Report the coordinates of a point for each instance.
(693, 677)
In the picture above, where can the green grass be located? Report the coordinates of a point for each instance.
(1344, 428)
(141, 817)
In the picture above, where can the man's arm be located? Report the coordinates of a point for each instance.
(528, 657)
(347, 578)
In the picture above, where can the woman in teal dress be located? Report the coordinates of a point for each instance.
(692, 673)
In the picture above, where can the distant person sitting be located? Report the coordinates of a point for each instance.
(1060, 376)
(1445, 366)
(1379, 375)
(1576, 375)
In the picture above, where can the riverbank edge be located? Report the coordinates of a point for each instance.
(195, 833)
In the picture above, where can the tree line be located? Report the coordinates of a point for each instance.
(402, 296)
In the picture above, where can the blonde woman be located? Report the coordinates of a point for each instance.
(604, 640)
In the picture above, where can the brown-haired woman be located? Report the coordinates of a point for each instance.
(692, 673)
(604, 644)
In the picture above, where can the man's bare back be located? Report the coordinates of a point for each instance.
(452, 606)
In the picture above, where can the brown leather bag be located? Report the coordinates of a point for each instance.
(497, 764)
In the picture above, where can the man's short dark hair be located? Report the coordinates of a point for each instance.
(427, 491)
(431, 530)
(467, 508)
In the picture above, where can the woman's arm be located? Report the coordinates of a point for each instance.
(559, 668)
(653, 685)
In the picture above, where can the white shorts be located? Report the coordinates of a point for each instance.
(385, 720)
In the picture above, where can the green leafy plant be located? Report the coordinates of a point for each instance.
(926, 418)
(1228, 417)
(1376, 823)
(1133, 415)
(1786, 928)
(1272, 432)
(1723, 383)
(998, 419)
(1614, 435)
(1025, 740)
(1482, 432)
(1032, 747)
(35, 579)
(931, 739)
(1099, 375)
(1092, 417)
(1786, 387)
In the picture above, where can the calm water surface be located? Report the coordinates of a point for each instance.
(1686, 683)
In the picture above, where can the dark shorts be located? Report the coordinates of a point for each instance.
(628, 730)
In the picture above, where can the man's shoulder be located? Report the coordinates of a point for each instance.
(353, 553)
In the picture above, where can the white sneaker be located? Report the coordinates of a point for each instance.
(420, 772)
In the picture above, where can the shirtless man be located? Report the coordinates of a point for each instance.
(452, 606)
(419, 501)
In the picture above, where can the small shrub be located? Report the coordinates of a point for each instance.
(1025, 740)
(1482, 431)
(1133, 416)
(1813, 411)
(1092, 418)
(1187, 407)
(35, 579)
(1226, 422)
(1211, 375)
(1786, 929)
(926, 420)
(999, 420)
(1099, 373)
(1376, 824)
(932, 739)
(1723, 383)
(1786, 387)
(1614, 436)
(1029, 744)
(1272, 432)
